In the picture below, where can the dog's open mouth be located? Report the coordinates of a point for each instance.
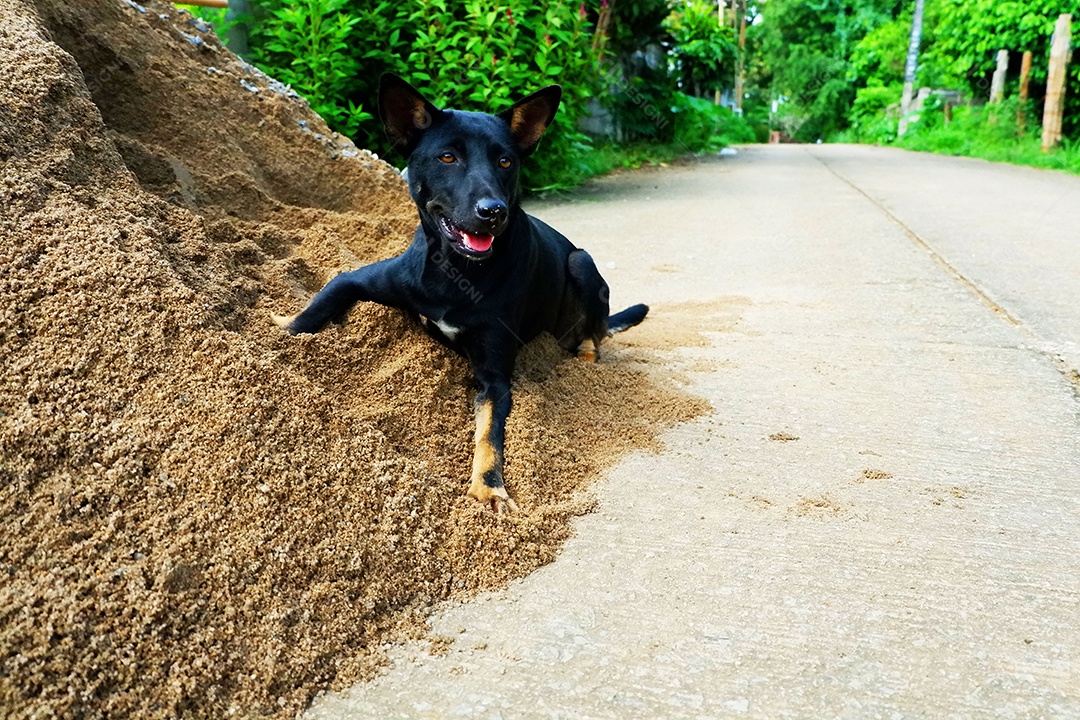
(474, 245)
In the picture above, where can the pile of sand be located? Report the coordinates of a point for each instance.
(199, 516)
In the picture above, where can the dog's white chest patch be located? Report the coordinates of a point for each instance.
(447, 329)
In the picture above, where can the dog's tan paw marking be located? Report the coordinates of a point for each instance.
(587, 350)
(487, 483)
(282, 321)
(497, 499)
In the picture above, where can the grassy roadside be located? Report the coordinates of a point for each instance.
(1023, 151)
(607, 158)
(1000, 133)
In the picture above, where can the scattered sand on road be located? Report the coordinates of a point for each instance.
(200, 515)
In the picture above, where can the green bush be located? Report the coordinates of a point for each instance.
(870, 121)
(701, 126)
(642, 106)
(309, 45)
(469, 55)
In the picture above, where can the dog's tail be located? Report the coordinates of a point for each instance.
(626, 319)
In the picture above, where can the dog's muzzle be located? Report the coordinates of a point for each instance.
(473, 245)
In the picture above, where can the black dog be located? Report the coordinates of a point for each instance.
(482, 276)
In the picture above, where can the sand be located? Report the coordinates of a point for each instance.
(202, 517)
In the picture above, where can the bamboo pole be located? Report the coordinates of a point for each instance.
(1025, 77)
(1054, 109)
(204, 3)
(600, 38)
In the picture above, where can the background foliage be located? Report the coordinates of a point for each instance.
(837, 66)
(703, 51)
(482, 56)
(309, 45)
(815, 70)
(970, 32)
(470, 55)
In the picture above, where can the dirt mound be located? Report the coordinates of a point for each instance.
(202, 517)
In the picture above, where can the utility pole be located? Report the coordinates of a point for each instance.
(720, 20)
(740, 64)
(910, 66)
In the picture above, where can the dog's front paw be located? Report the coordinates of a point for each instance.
(587, 350)
(495, 498)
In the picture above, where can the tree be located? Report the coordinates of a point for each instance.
(806, 47)
(703, 50)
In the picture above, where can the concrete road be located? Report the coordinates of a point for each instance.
(881, 517)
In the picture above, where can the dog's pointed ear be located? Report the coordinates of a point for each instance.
(404, 112)
(530, 117)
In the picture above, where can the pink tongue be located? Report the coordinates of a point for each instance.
(478, 243)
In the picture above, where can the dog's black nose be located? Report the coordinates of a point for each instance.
(492, 211)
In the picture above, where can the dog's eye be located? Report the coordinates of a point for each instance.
(448, 158)
(505, 162)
